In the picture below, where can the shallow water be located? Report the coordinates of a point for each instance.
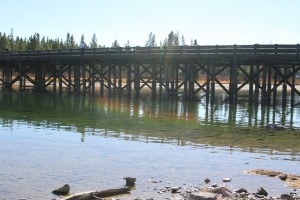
(93, 142)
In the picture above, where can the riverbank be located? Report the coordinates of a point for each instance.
(158, 189)
(206, 190)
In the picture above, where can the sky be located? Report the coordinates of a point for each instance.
(211, 22)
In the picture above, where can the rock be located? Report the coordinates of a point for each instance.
(226, 179)
(64, 190)
(283, 176)
(130, 182)
(175, 189)
(241, 190)
(286, 197)
(202, 196)
(223, 191)
(262, 191)
(207, 180)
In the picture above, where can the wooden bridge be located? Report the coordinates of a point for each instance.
(185, 71)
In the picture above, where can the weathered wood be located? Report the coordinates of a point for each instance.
(154, 80)
(275, 88)
(284, 86)
(251, 81)
(15, 67)
(128, 83)
(192, 81)
(263, 86)
(136, 80)
(98, 194)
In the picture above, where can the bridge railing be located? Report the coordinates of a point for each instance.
(255, 49)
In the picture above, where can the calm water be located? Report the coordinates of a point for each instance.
(92, 143)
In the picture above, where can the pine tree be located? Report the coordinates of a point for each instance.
(72, 42)
(115, 44)
(68, 41)
(182, 40)
(82, 42)
(94, 42)
(151, 42)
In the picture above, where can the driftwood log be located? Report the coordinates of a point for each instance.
(97, 194)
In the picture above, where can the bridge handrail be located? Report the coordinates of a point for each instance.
(255, 49)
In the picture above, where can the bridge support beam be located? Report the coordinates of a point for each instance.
(233, 82)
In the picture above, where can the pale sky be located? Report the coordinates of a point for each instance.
(209, 21)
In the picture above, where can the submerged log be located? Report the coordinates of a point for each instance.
(97, 194)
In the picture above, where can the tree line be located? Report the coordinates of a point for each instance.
(9, 42)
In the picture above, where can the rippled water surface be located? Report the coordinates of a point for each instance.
(93, 142)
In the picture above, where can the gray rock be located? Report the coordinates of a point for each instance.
(283, 176)
(202, 196)
(207, 180)
(286, 197)
(241, 190)
(226, 179)
(175, 189)
(262, 191)
(130, 182)
(64, 190)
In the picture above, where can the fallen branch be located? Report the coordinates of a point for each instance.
(97, 194)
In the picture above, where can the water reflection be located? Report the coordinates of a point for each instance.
(202, 124)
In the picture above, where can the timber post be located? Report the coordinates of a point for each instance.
(102, 79)
(293, 86)
(128, 88)
(192, 81)
(275, 87)
(251, 81)
(233, 79)
(263, 86)
(136, 80)
(284, 85)
(109, 79)
(212, 84)
(154, 80)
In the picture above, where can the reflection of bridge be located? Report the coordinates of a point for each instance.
(182, 70)
(181, 122)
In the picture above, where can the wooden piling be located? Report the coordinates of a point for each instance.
(293, 86)
(109, 79)
(59, 78)
(76, 78)
(257, 84)
(136, 80)
(207, 83)
(263, 86)
(70, 78)
(233, 82)
(251, 81)
(212, 84)
(191, 81)
(275, 87)
(120, 80)
(154, 80)
(185, 80)
(115, 78)
(269, 85)
(128, 84)
(284, 85)
(102, 79)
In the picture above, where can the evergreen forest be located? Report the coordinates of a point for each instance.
(10, 42)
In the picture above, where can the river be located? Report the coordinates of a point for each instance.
(92, 142)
